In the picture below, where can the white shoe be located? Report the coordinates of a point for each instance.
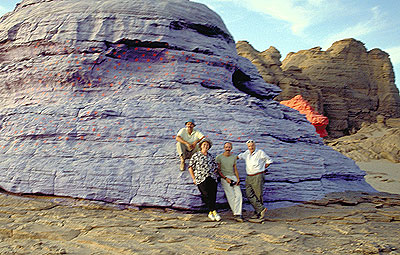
(216, 216)
(211, 216)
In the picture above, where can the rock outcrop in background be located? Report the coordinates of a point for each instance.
(292, 82)
(92, 94)
(317, 120)
(380, 140)
(346, 83)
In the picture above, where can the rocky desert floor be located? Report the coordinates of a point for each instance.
(342, 223)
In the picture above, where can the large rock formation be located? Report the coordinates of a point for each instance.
(292, 82)
(355, 85)
(93, 92)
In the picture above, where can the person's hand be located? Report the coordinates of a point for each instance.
(191, 146)
(237, 183)
(228, 180)
(194, 181)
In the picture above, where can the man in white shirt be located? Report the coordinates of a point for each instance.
(187, 142)
(256, 163)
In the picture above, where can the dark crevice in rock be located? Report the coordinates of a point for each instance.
(285, 200)
(334, 176)
(149, 44)
(287, 139)
(327, 177)
(210, 86)
(110, 113)
(207, 30)
(243, 83)
(207, 52)
(239, 80)
(12, 32)
(46, 136)
(138, 43)
(112, 48)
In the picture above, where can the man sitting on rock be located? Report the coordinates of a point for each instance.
(256, 163)
(188, 139)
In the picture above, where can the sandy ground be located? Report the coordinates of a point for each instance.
(383, 175)
(342, 223)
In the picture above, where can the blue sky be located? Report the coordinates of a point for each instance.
(293, 25)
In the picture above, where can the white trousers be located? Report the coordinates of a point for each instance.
(233, 195)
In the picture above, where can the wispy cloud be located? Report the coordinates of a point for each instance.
(298, 14)
(394, 54)
(299, 17)
(2, 10)
(365, 27)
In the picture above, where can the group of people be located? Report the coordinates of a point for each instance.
(205, 168)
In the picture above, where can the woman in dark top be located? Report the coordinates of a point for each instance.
(202, 169)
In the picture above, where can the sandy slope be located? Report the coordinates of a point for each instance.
(382, 174)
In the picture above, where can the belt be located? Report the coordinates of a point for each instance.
(255, 174)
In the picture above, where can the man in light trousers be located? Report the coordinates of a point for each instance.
(187, 142)
(230, 180)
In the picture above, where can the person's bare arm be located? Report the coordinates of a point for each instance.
(266, 166)
(181, 140)
(197, 141)
(219, 171)
(192, 174)
(237, 174)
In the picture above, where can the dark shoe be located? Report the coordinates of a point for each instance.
(255, 220)
(238, 218)
(262, 213)
(255, 216)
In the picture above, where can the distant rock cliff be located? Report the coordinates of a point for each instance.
(346, 83)
(93, 92)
